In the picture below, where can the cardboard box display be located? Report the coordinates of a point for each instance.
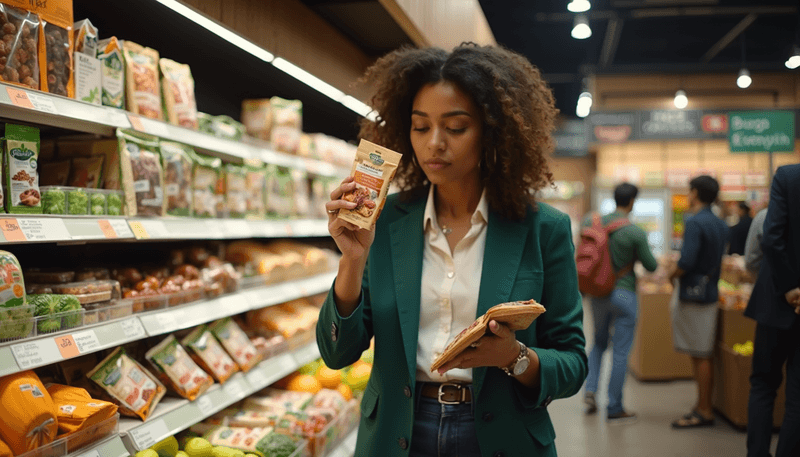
(734, 327)
(653, 356)
(88, 148)
(88, 79)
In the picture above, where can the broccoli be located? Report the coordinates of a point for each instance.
(45, 305)
(54, 201)
(70, 306)
(98, 204)
(114, 205)
(15, 322)
(78, 202)
(276, 445)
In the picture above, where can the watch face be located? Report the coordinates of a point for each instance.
(521, 366)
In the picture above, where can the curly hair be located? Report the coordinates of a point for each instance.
(517, 108)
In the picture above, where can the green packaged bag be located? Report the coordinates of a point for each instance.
(205, 182)
(21, 158)
(178, 163)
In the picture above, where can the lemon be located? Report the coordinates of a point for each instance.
(198, 447)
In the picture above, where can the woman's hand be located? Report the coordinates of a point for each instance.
(499, 348)
(353, 241)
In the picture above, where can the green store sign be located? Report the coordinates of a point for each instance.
(761, 131)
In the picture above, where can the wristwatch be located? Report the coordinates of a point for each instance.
(520, 364)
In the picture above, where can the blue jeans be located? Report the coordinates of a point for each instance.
(443, 430)
(617, 311)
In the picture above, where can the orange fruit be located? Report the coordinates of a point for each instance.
(304, 383)
(346, 392)
(358, 376)
(328, 377)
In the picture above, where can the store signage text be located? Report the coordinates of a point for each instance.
(762, 131)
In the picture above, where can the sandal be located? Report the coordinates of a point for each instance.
(693, 420)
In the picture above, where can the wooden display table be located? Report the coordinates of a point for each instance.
(653, 357)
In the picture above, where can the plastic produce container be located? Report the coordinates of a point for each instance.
(17, 323)
(78, 440)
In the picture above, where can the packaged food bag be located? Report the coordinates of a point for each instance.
(85, 37)
(236, 343)
(205, 178)
(280, 192)
(29, 415)
(77, 410)
(178, 165)
(177, 89)
(242, 438)
(141, 174)
(109, 53)
(57, 69)
(21, 170)
(137, 391)
(255, 183)
(20, 46)
(287, 124)
(143, 94)
(86, 172)
(236, 191)
(373, 169)
(257, 117)
(209, 354)
(177, 369)
(5, 451)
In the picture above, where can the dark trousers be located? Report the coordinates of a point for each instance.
(773, 348)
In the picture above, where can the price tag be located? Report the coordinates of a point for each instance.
(136, 122)
(279, 366)
(205, 405)
(307, 354)
(11, 230)
(257, 377)
(43, 229)
(155, 229)
(121, 228)
(92, 453)
(19, 98)
(67, 347)
(87, 341)
(138, 230)
(117, 118)
(234, 389)
(156, 324)
(36, 353)
(289, 230)
(167, 321)
(132, 328)
(149, 434)
(42, 103)
(155, 128)
(107, 229)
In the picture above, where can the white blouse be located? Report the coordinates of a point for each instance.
(450, 288)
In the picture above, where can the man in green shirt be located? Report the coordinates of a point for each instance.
(618, 311)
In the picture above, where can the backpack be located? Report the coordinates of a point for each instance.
(596, 276)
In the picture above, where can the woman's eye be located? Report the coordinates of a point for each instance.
(457, 131)
(420, 129)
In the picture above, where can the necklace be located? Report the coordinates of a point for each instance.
(446, 230)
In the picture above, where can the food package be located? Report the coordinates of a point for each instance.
(77, 410)
(16, 319)
(177, 91)
(220, 126)
(302, 200)
(56, 73)
(142, 174)
(88, 79)
(234, 417)
(242, 438)
(257, 117)
(19, 50)
(21, 170)
(54, 173)
(91, 291)
(287, 124)
(5, 451)
(177, 369)
(98, 202)
(143, 94)
(236, 191)
(86, 172)
(107, 148)
(49, 275)
(137, 391)
(255, 185)
(373, 169)
(205, 178)
(284, 320)
(236, 343)
(209, 354)
(329, 399)
(280, 192)
(29, 417)
(56, 312)
(109, 53)
(177, 177)
(85, 37)
(285, 399)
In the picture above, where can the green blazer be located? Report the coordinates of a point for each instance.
(523, 260)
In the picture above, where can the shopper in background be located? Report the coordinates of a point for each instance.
(752, 247)
(474, 126)
(773, 304)
(740, 230)
(694, 301)
(617, 313)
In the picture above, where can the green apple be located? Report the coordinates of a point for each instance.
(147, 453)
(167, 447)
(182, 454)
(198, 447)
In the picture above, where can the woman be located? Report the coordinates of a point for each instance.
(473, 127)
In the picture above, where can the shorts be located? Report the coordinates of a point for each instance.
(694, 327)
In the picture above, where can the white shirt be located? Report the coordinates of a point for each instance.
(450, 287)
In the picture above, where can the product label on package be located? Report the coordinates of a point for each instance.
(113, 79)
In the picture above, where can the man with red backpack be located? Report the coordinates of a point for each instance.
(605, 256)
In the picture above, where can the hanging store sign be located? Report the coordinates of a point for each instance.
(611, 127)
(669, 124)
(715, 123)
(678, 179)
(756, 179)
(761, 131)
(570, 139)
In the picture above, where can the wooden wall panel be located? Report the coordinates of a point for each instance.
(581, 169)
(442, 23)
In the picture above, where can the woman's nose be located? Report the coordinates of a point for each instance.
(436, 141)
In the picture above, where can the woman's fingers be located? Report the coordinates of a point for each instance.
(336, 205)
(347, 186)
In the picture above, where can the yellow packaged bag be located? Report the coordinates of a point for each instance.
(29, 417)
(77, 410)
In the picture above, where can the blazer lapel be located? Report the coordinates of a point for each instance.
(407, 244)
(505, 241)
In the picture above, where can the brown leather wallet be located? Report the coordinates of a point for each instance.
(448, 393)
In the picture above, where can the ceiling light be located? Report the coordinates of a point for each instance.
(308, 78)
(794, 60)
(744, 80)
(579, 6)
(584, 105)
(581, 29)
(681, 101)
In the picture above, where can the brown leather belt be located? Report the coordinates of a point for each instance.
(448, 393)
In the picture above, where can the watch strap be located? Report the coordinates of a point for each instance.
(523, 352)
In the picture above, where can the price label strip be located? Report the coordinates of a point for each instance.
(159, 323)
(149, 434)
(156, 229)
(11, 230)
(92, 453)
(78, 343)
(138, 230)
(235, 389)
(121, 228)
(107, 229)
(132, 328)
(307, 354)
(258, 377)
(36, 353)
(205, 405)
(24, 99)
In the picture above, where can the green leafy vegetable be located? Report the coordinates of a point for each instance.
(16, 322)
(45, 305)
(114, 205)
(78, 202)
(276, 445)
(70, 307)
(54, 201)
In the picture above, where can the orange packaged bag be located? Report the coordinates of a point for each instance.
(29, 417)
(77, 410)
(176, 369)
(5, 451)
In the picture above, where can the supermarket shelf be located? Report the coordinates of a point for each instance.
(174, 415)
(41, 108)
(347, 448)
(43, 228)
(112, 447)
(44, 350)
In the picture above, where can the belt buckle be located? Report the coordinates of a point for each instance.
(457, 386)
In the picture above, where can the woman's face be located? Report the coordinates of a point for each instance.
(446, 133)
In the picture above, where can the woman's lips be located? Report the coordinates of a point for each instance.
(436, 164)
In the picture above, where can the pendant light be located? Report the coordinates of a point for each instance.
(581, 29)
(681, 100)
(744, 80)
(579, 6)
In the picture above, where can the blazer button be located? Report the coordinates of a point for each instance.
(499, 454)
(403, 443)
(334, 332)
(488, 417)
(407, 391)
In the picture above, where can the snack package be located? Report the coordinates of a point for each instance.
(373, 170)
(257, 117)
(178, 165)
(234, 417)
(109, 53)
(302, 192)
(86, 172)
(236, 342)
(177, 369)
(142, 174)
(516, 315)
(77, 410)
(85, 37)
(22, 178)
(20, 51)
(236, 191)
(255, 185)
(209, 354)
(205, 177)
(280, 192)
(242, 438)
(220, 126)
(57, 70)
(137, 391)
(16, 319)
(54, 173)
(177, 91)
(285, 399)
(143, 94)
(34, 419)
(287, 124)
